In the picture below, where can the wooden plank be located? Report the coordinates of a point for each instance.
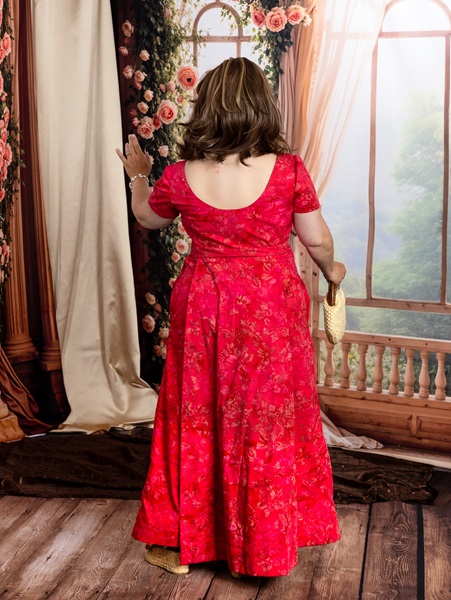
(391, 564)
(437, 552)
(89, 573)
(225, 587)
(329, 571)
(135, 579)
(48, 552)
(15, 511)
(441, 481)
(193, 586)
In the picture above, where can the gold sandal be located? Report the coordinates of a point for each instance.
(166, 559)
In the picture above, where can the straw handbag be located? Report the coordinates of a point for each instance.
(334, 313)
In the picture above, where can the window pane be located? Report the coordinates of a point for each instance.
(409, 169)
(213, 23)
(345, 203)
(213, 53)
(416, 15)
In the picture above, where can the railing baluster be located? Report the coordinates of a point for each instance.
(378, 371)
(409, 375)
(393, 376)
(329, 367)
(345, 370)
(440, 378)
(361, 372)
(424, 379)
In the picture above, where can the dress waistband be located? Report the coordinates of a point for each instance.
(263, 251)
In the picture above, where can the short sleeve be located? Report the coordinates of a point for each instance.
(160, 199)
(305, 196)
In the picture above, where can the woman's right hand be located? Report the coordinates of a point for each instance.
(337, 274)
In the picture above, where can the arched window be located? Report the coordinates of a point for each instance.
(217, 34)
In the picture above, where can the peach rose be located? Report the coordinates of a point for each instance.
(295, 14)
(172, 281)
(157, 350)
(8, 154)
(276, 20)
(143, 107)
(148, 323)
(164, 352)
(127, 28)
(187, 77)
(181, 229)
(148, 95)
(6, 43)
(181, 247)
(140, 76)
(137, 85)
(2, 53)
(144, 55)
(163, 333)
(146, 128)
(150, 298)
(128, 72)
(167, 112)
(257, 16)
(175, 256)
(163, 151)
(156, 122)
(123, 50)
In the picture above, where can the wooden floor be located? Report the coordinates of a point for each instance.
(72, 549)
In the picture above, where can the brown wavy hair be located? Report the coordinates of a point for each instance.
(235, 111)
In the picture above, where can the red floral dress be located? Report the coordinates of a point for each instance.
(239, 466)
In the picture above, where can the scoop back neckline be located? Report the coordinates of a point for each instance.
(271, 176)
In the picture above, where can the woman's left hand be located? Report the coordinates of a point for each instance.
(135, 160)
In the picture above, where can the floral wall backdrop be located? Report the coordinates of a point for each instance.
(9, 144)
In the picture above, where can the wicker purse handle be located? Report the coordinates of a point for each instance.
(332, 293)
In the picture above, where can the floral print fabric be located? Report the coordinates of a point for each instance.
(239, 466)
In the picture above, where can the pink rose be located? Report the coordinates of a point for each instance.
(8, 154)
(163, 150)
(140, 76)
(145, 129)
(2, 194)
(187, 77)
(164, 333)
(143, 107)
(4, 135)
(144, 55)
(172, 281)
(2, 53)
(156, 122)
(137, 85)
(175, 256)
(295, 14)
(6, 44)
(181, 229)
(276, 20)
(258, 17)
(180, 99)
(171, 86)
(167, 13)
(148, 323)
(135, 122)
(164, 352)
(128, 72)
(162, 87)
(181, 247)
(157, 350)
(133, 113)
(123, 50)
(148, 95)
(127, 28)
(150, 298)
(167, 112)
(158, 308)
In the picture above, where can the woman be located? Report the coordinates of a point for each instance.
(239, 466)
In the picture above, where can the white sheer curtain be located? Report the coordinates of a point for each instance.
(346, 42)
(79, 124)
(316, 100)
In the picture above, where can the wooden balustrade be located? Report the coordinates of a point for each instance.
(376, 346)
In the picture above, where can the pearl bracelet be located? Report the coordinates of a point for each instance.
(135, 177)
